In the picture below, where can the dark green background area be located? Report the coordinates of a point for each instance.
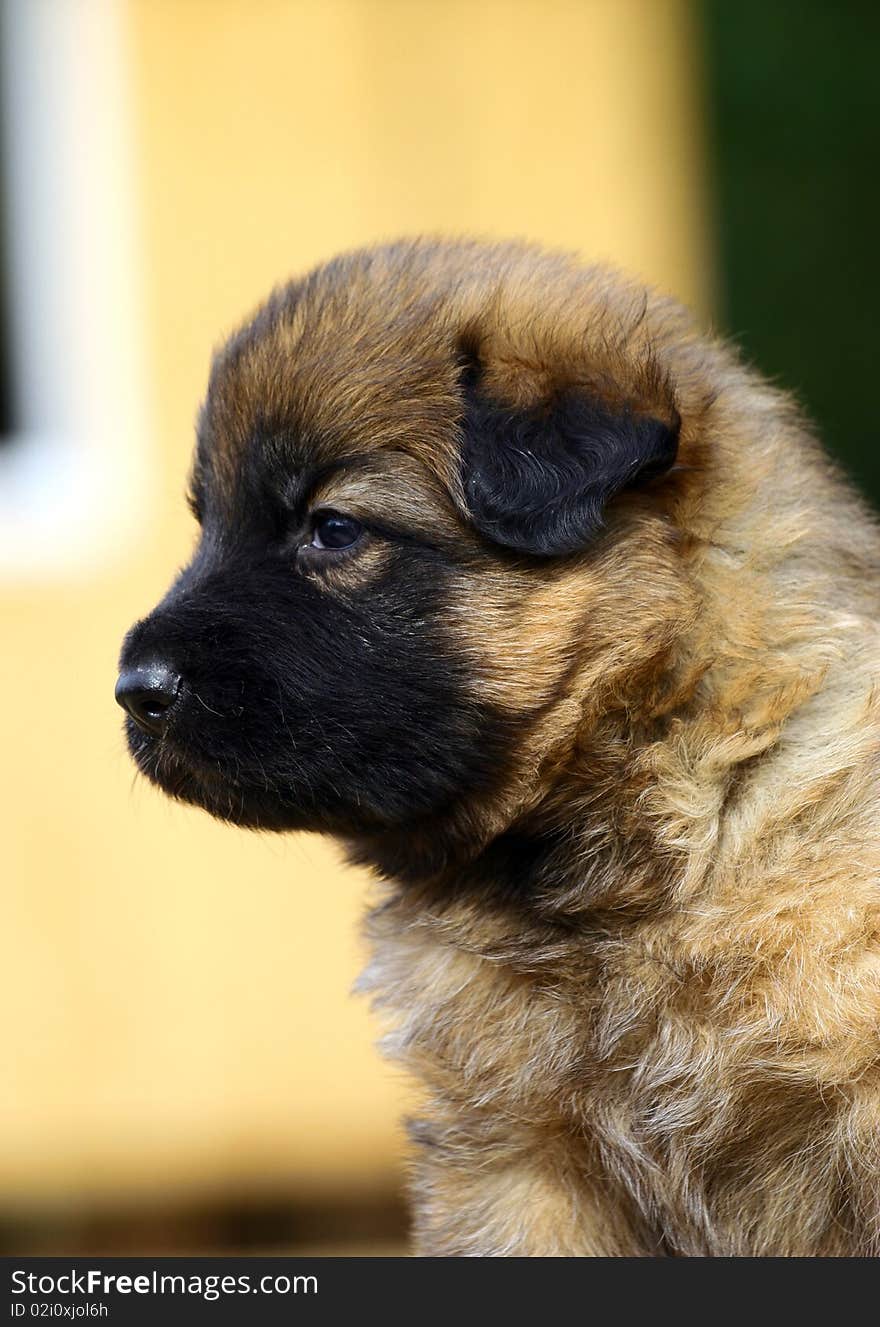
(793, 93)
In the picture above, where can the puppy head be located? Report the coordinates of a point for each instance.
(429, 481)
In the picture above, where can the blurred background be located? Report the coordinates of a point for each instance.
(183, 1067)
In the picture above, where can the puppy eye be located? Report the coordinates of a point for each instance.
(330, 529)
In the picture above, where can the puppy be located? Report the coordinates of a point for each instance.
(560, 619)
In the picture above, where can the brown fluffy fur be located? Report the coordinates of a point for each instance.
(674, 1049)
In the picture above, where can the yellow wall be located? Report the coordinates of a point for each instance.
(176, 992)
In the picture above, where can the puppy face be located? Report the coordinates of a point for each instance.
(428, 525)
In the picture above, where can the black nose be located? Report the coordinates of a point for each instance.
(148, 694)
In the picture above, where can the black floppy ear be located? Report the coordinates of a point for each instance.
(538, 479)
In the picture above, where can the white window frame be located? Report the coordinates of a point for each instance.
(75, 478)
